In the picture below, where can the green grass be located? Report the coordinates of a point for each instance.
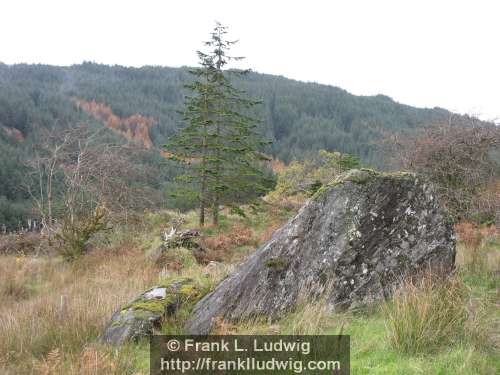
(427, 314)
(474, 350)
(371, 353)
(140, 360)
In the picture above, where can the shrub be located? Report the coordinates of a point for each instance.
(461, 159)
(426, 314)
(75, 234)
(309, 176)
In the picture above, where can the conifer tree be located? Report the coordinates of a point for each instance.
(193, 145)
(219, 144)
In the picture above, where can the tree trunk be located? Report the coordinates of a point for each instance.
(203, 190)
(215, 219)
(202, 201)
(215, 209)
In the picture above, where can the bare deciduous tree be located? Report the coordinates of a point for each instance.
(40, 182)
(91, 182)
(462, 159)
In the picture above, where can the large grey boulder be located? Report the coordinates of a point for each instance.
(354, 240)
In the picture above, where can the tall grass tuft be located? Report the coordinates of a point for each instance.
(426, 314)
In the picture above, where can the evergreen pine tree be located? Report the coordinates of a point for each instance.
(219, 144)
(193, 145)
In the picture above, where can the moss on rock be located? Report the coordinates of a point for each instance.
(357, 176)
(179, 290)
(276, 263)
(174, 297)
(155, 306)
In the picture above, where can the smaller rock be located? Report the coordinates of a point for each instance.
(141, 316)
(185, 239)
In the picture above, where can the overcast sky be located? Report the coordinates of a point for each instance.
(424, 53)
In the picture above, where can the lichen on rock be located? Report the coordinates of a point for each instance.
(353, 240)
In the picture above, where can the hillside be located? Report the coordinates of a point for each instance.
(142, 104)
(296, 116)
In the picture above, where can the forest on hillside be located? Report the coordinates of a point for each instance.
(143, 104)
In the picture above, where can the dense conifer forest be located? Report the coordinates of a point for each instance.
(143, 105)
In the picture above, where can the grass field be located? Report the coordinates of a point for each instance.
(52, 311)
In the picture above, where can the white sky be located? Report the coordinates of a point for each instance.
(425, 53)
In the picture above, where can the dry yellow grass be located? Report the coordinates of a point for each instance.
(475, 252)
(52, 311)
(65, 309)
